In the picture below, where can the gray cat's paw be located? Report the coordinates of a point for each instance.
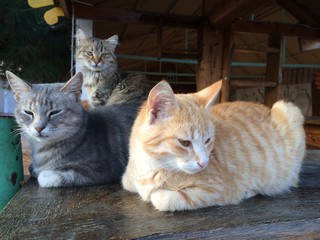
(49, 179)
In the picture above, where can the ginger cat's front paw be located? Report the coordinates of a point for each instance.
(127, 183)
(167, 200)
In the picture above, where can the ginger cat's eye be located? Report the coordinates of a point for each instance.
(185, 143)
(208, 140)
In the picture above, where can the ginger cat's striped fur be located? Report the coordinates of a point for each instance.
(185, 154)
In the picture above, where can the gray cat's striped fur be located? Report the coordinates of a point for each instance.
(71, 147)
(104, 82)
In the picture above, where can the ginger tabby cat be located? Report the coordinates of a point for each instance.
(185, 154)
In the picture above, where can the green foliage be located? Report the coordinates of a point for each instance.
(29, 47)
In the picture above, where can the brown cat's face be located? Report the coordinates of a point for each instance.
(180, 133)
(96, 54)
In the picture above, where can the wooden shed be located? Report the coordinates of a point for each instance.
(264, 50)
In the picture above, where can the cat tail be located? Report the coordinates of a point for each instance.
(287, 113)
(288, 120)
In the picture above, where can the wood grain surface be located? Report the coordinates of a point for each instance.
(108, 212)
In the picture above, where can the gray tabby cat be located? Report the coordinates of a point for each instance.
(104, 82)
(71, 147)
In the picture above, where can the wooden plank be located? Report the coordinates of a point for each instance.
(294, 230)
(248, 83)
(276, 28)
(228, 10)
(312, 120)
(108, 212)
(297, 11)
(254, 49)
(86, 11)
(312, 135)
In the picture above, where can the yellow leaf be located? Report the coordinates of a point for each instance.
(51, 16)
(40, 3)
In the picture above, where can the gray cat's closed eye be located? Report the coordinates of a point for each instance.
(54, 113)
(28, 113)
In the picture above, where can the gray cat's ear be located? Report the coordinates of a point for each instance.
(17, 85)
(113, 42)
(161, 102)
(208, 95)
(81, 36)
(74, 85)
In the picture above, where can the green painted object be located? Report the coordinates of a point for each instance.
(11, 167)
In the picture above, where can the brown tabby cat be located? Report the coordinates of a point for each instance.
(104, 82)
(185, 154)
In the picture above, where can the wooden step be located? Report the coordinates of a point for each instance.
(254, 49)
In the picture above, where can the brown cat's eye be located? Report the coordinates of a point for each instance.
(89, 54)
(185, 143)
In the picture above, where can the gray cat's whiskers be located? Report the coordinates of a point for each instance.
(71, 147)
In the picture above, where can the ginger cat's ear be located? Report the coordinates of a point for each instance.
(161, 102)
(209, 94)
(17, 85)
(74, 85)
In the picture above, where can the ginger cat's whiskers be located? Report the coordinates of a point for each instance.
(247, 148)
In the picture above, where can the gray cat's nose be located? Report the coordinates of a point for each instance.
(39, 129)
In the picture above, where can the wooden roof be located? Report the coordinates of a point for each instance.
(171, 30)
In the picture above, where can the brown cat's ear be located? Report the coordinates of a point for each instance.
(17, 85)
(161, 102)
(74, 85)
(209, 94)
(112, 42)
(81, 36)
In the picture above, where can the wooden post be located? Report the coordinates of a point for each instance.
(226, 61)
(274, 69)
(204, 76)
(216, 56)
(204, 72)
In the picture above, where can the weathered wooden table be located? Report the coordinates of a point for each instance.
(108, 212)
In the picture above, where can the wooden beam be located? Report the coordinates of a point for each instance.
(276, 28)
(251, 83)
(229, 10)
(134, 17)
(253, 49)
(297, 10)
